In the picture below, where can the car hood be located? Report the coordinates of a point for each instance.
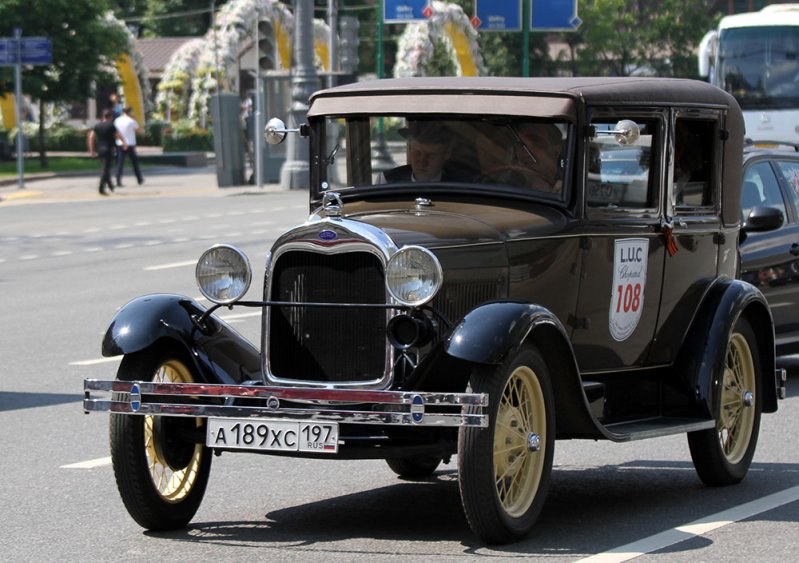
(459, 224)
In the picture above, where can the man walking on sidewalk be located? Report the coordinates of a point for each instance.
(127, 127)
(101, 142)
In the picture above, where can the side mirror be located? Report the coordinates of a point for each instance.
(626, 132)
(275, 131)
(763, 218)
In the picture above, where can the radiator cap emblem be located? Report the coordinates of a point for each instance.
(331, 204)
(327, 235)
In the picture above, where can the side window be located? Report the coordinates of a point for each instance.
(694, 163)
(790, 172)
(760, 187)
(621, 175)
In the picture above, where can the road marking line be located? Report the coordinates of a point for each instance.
(172, 265)
(96, 361)
(89, 464)
(695, 528)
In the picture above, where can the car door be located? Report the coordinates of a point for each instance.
(692, 226)
(622, 248)
(770, 260)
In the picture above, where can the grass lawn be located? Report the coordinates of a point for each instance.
(55, 164)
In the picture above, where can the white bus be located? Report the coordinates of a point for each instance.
(755, 57)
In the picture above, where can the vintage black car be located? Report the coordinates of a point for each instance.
(770, 259)
(545, 259)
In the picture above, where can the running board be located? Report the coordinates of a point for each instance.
(656, 427)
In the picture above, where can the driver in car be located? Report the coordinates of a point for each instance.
(429, 147)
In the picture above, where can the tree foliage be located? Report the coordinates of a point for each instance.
(84, 46)
(623, 37)
(84, 49)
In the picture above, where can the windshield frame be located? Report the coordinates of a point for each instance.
(324, 140)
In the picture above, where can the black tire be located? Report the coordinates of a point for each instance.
(521, 417)
(414, 467)
(161, 477)
(722, 455)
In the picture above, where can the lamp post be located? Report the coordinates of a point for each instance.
(381, 159)
(295, 174)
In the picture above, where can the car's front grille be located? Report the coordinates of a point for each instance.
(328, 344)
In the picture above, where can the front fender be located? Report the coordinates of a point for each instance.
(221, 354)
(703, 353)
(489, 332)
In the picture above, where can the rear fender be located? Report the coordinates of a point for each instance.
(703, 353)
(221, 354)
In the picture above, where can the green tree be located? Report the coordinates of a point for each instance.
(178, 18)
(620, 37)
(84, 49)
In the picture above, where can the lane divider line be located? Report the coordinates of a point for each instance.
(696, 528)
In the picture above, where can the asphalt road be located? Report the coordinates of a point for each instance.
(69, 258)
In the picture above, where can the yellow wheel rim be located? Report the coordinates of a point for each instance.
(172, 485)
(521, 420)
(737, 415)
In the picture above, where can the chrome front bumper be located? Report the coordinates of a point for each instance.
(398, 408)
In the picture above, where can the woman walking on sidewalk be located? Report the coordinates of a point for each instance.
(101, 142)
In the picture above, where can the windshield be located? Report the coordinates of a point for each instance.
(759, 66)
(373, 151)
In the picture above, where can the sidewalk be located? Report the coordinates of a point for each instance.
(158, 181)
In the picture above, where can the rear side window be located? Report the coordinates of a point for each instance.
(621, 175)
(790, 172)
(694, 164)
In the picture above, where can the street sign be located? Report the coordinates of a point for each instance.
(554, 15)
(8, 54)
(35, 51)
(400, 11)
(498, 15)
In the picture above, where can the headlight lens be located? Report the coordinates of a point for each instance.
(413, 276)
(223, 274)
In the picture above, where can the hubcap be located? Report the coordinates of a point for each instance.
(519, 441)
(736, 418)
(173, 484)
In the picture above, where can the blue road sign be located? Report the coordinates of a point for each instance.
(499, 15)
(399, 11)
(8, 52)
(554, 15)
(35, 51)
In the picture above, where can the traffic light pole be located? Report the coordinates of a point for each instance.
(18, 94)
(295, 172)
(259, 112)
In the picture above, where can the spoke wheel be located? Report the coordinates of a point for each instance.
(505, 469)
(722, 456)
(161, 473)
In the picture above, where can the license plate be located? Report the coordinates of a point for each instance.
(272, 435)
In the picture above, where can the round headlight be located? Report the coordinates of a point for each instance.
(223, 274)
(413, 276)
